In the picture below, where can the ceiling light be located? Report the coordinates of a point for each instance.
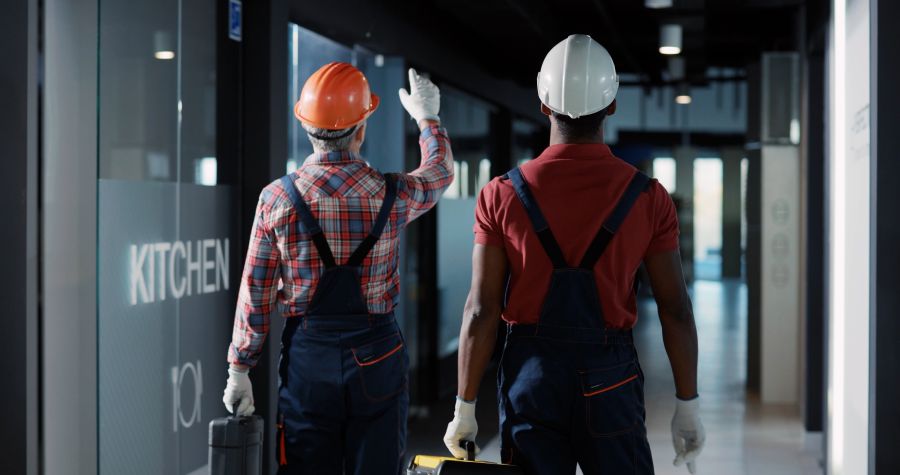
(162, 45)
(658, 3)
(670, 39)
(683, 94)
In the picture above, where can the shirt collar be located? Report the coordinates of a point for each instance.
(332, 158)
(577, 151)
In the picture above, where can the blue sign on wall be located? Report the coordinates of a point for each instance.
(234, 19)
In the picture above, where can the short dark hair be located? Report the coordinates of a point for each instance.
(581, 128)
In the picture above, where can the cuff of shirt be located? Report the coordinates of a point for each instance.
(486, 239)
(664, 246)
(234, 357)
(431, 131)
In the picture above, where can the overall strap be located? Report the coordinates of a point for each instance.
(390, 194)
(549, 243)
(638, 184)
(309, 222)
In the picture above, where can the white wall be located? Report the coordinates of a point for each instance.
(780, 295)
(848, 346)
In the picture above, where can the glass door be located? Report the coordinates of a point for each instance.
(166, 232)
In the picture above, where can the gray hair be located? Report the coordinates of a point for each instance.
(328, 140)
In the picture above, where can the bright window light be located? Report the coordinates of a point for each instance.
(291, 166)
(664, 171)
(683, 99)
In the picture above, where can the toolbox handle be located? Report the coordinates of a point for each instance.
(469, 445)
(234, 408)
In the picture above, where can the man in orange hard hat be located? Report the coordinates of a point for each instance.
(325, 243)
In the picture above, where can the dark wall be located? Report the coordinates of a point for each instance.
(252, 125)
(754, 220)
(885, 234)
(814, 382)
(18, 238)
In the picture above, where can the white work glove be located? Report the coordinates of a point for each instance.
(238, 390)
(688, 435)
(423, 101)
(462, 427)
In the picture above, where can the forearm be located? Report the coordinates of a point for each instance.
(422, 187)
(477, 338)
(680, 338)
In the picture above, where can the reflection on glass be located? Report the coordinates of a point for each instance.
(205, 171)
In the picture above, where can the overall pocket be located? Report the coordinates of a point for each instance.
(612, 398)
(382, 367)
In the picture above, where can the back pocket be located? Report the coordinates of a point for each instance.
(382, 367)
(612, 399)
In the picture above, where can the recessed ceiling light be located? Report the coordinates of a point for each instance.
(162, 45)
(670, 39)
(683, 94)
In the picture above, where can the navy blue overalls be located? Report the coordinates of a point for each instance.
(570, 389)
(343, 373)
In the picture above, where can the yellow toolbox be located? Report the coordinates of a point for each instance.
(434, 465)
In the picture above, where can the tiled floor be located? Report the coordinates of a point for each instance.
(743, 437)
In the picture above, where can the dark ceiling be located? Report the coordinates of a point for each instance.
(509, 38)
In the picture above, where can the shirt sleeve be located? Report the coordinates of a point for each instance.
(487, 231)
(665, 221)
(258, 290)
(422, 187)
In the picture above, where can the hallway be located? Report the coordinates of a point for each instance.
(743, 438)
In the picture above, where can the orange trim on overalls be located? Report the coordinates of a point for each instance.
(380, 358)
(282, 455)
(610, 388)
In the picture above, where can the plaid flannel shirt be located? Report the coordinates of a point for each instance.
(344, 194)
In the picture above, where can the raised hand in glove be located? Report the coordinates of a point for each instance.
(423, 101)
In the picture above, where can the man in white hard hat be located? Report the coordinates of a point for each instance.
(569, 231)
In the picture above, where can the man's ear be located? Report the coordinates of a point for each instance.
(545, 110)
(360, 134)
(612, 108)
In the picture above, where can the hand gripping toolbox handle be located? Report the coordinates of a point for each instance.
(235, 445)
(469, 445)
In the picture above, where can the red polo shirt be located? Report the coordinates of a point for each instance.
(577, 187)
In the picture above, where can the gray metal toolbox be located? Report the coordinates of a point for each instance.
(235, 445)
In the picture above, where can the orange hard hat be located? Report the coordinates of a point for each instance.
(335, 97)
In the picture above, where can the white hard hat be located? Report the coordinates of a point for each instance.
(577, 78)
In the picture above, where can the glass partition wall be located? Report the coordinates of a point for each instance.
(165, 238)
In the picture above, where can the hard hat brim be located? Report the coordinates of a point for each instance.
(340, 124)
